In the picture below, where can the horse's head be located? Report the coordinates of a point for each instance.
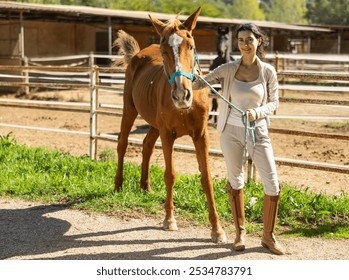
(179, 56)
(222, 41)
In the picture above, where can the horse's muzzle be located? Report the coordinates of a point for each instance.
(182, 98)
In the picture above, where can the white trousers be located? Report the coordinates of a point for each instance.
(232, 145)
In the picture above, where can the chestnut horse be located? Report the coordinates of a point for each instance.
(158, 86)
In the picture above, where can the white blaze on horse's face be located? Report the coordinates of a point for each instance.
(174, 41)
(182, 97)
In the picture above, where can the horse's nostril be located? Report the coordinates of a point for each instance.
(187, 95)
(174, 96)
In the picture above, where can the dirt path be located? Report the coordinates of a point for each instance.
(33, 231)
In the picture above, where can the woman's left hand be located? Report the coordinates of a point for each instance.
(252, 115)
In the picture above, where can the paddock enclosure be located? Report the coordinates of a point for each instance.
(77, 109)
(72, 101)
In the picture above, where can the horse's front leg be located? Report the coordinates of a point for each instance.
(170, 177)
(201, 146)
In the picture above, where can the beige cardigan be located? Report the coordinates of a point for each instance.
(225, 74)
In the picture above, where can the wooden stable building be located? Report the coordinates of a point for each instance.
(37, 30)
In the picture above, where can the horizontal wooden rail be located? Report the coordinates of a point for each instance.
(81, 70)
(46, 68)
(314, 101)
(46, 129)
(328, 88)
(313, 75)
(313, 165)
(189, 149)
(43, 85)
(216, 152)
(183, 148)
(309, 134)
(83, 107)
(117, 110)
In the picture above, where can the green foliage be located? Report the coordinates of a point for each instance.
(338, 125)
(107, 154)
(246, 9)
(91, 3)
(6, 141)
(210, 8)
(55, 177)
(329, 12)
(289, 11)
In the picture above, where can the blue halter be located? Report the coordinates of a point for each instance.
(190, 76)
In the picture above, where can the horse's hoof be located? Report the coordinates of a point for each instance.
(170, 225)
(219, 236)
(117, 184)
(147, 189)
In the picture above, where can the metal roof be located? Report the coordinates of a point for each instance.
(84, 11)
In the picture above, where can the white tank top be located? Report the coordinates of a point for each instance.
(245, 95)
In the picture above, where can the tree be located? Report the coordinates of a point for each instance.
(135, 5)
(92, 3)
(246, 9)
(328, 12)
(211, 8)
(289, 11)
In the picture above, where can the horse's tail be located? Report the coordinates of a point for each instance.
(127, 46)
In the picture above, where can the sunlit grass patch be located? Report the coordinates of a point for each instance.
(81, 183)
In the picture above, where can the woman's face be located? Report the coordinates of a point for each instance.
(247, 42)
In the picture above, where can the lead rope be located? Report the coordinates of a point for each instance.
(249, 126)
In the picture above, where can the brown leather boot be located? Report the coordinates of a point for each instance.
(270, 210)
(236, 199)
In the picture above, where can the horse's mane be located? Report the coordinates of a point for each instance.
(172, 24)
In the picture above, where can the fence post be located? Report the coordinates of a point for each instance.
(25, 74)
(251, 170)
(277, 61)
(93, 107)
(277, 69)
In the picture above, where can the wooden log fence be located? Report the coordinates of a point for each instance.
(93, 75)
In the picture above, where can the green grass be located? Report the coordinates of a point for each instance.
(337, 125)
(55, 177)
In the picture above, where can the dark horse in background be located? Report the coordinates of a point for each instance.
(158, 86)
(223, 56)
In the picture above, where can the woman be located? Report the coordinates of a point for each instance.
(251, 85)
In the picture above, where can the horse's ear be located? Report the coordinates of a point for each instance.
(159, 25)
(190, 22)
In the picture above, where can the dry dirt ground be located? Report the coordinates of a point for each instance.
(52, 232)
(31, 231)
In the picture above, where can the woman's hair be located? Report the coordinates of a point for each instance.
(258, 34)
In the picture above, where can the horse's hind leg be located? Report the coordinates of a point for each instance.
(148, 148)
(128, 117)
